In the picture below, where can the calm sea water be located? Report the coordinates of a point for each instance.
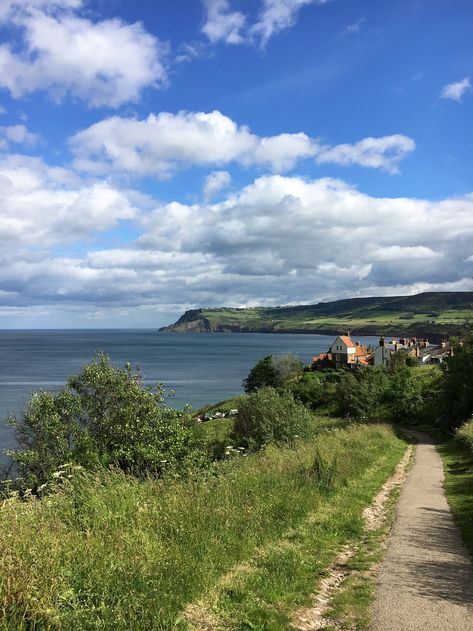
(201, 368)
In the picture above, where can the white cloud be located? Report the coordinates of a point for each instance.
(13, 7)
(455, 91)
(215, 182)
(222, 23)
(378, 153)
(396, 252)
(355, 28)
(279, 240)
(277, 15)
(17, 134)
(41, 206)
(160, 144)
(106, 63)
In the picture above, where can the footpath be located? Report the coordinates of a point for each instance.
(426, 578)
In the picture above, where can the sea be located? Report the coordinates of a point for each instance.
(200, 368)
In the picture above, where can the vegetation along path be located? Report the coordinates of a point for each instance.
(426, 578)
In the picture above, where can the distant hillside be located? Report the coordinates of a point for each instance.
(431, 314)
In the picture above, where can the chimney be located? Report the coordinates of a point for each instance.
(443, 344)
(381, 341)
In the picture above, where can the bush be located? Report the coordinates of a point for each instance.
(465, 434)
(359, 394)
(405, 396)
(309, 389)
(268, 416)
(104, 417)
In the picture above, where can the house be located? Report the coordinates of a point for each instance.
(421, 349)
(343, 352)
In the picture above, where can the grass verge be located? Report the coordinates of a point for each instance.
(458, 465)
(111, 552)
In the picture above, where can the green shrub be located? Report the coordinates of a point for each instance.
(104, 417)
(309, 389)
(359, 394)
(268, 416)
(465, 434)
(405, 396)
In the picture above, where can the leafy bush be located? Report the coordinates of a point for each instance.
(268, 416)
(104, 417)
(465, 434)
(309, 389)
(272, 372)
(359, 394)
(405, 396)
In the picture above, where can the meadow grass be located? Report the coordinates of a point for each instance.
(107, 551)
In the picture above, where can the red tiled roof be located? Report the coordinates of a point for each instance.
(322, 356)
(347, 340)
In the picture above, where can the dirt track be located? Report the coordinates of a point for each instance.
(426, 579)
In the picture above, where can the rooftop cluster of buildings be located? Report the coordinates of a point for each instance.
(344, 352)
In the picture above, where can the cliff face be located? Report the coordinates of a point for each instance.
(191, 321)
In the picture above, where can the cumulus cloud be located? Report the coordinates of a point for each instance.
(215, 182)
(41, 206)
(455, 91)
(105, 63)
(17, 134)
(278, 240)
(160, 144)
(380, 153)
(223, 23)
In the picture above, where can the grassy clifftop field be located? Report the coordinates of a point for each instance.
(433, 314)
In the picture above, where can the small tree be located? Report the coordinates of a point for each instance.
(273, 372)
(262, 375)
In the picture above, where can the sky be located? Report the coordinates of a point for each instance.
(162, 156)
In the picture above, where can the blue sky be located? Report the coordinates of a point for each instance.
(162, 156)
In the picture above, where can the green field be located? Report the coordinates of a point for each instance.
(434, 314)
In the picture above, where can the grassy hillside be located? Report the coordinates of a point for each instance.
(433, 314)
(253, 537)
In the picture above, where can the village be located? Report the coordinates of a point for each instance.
(345, 353)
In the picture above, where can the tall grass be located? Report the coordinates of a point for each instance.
(110, 552)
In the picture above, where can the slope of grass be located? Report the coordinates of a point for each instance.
(111, 552)
(435, 313)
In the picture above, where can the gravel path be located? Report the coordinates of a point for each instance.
(426, 579)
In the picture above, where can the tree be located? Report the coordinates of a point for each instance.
(457, 386)
(273, 372)
(104, 417)
(262, 375)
